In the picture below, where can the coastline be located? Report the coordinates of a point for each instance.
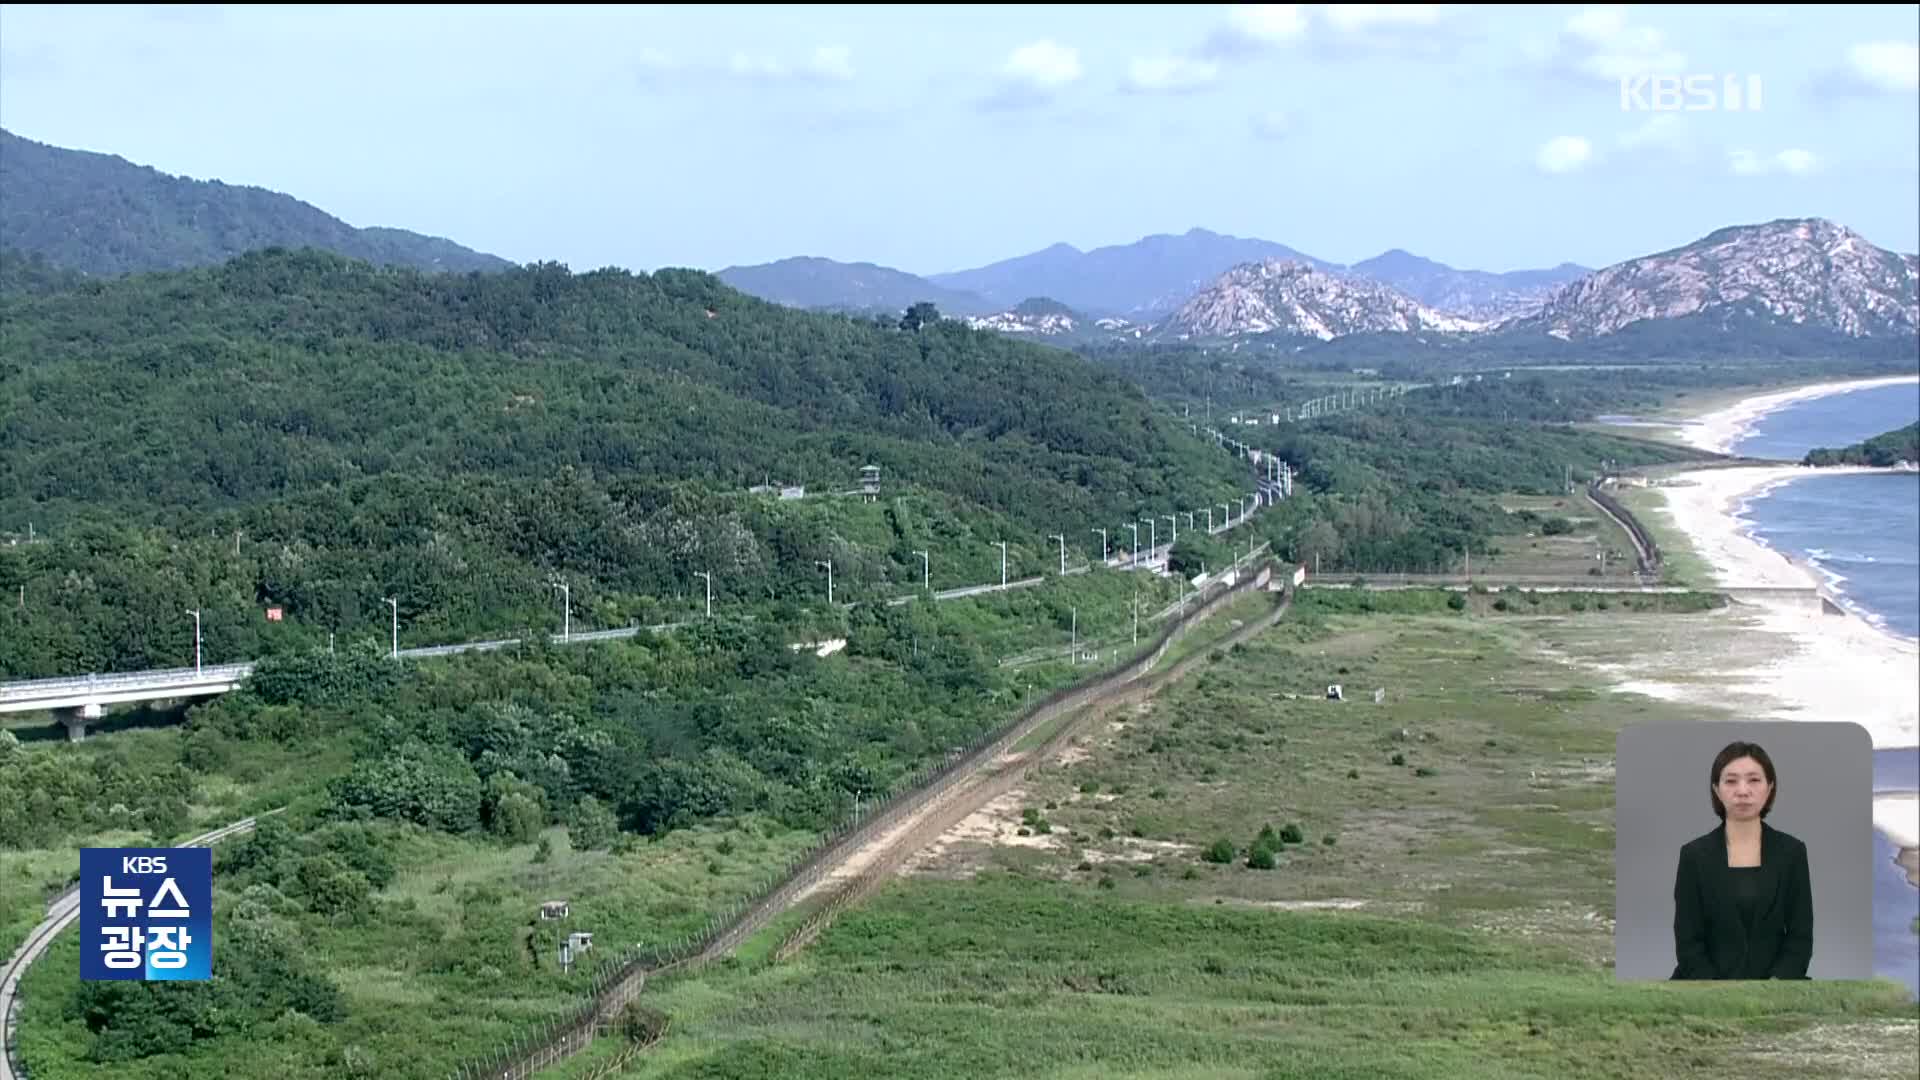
(1717, 431)
(1837, 666)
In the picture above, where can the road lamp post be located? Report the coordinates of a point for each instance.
(1226, 515)
(1063, 551)
(709, 580)
(926, 571)
(828, 563)
(1173, 537)
(1003, 562)
(394, 603)
(1133, 555)
(195, 612)
(566, 614)
(1103, 544)
(1153, 537)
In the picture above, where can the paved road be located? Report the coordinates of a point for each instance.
(62, 913)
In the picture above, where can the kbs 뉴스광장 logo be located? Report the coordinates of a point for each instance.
(146, 913)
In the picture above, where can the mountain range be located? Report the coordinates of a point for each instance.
(101, 215)
(96, 214)
(1143, 281)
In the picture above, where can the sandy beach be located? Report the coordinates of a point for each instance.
(1717, 431)
(1837, 667)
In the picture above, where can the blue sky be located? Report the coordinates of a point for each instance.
(939, 138)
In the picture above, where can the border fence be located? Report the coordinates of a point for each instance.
(619, 981)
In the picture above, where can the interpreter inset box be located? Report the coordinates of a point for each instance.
(1743, 850)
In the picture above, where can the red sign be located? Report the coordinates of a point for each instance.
(273, 614)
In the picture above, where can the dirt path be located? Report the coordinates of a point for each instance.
(864, 870)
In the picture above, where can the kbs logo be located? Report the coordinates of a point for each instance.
(146, 913)
(1690, 93)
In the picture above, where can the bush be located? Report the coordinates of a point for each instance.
(1399, 759)
(1353, 774)
(1593, 571)
(1500, 604)
(1556, 526)
(592, 826)
(1328, 840)
(1457, 601)
(1292, 834)
(1267, 837)
(1221, 851)
(1423, 771)
(1261, 858)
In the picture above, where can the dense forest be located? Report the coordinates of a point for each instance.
(301, 431)
(1887, 448)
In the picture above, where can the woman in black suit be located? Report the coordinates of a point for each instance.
(1743, 898)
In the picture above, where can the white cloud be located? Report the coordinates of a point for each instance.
(1267, 24)
(1032, 74)
(1170, 74)
(1564, 154)
(1793, 161)
(1253, 28)
(1886, 65)
(833, 62)
(1355, 18)
(1042, 65)
(1273, 125)
(1599, 44)
(827, 64)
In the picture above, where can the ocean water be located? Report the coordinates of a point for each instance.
(1863, 534)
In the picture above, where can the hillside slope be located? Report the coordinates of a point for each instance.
(102, 215)
(465, 440)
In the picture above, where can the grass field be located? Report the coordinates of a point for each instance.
(1447, 911)
(1680, 566)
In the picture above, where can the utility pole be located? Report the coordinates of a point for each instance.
(1136, 612)
(1103, 544)
(829, 565)
(926, 571)
(566, 624)
(394, 603)
(1003, 562)
(1063, 551)
(196, 639)
(1074, 656)
(709, 580)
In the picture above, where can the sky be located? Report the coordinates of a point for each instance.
(940, 138)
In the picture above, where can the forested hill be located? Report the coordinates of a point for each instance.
(1887, 448)
(103, 215)
(462, 440)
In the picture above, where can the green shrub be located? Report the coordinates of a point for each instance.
(1221, 851)
(1261, 858)
(1292, 834)
(1500, 604)
(1328, 840)
(1353, 774)
(1399, 759)
(1423, 771)
(1457, 601)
